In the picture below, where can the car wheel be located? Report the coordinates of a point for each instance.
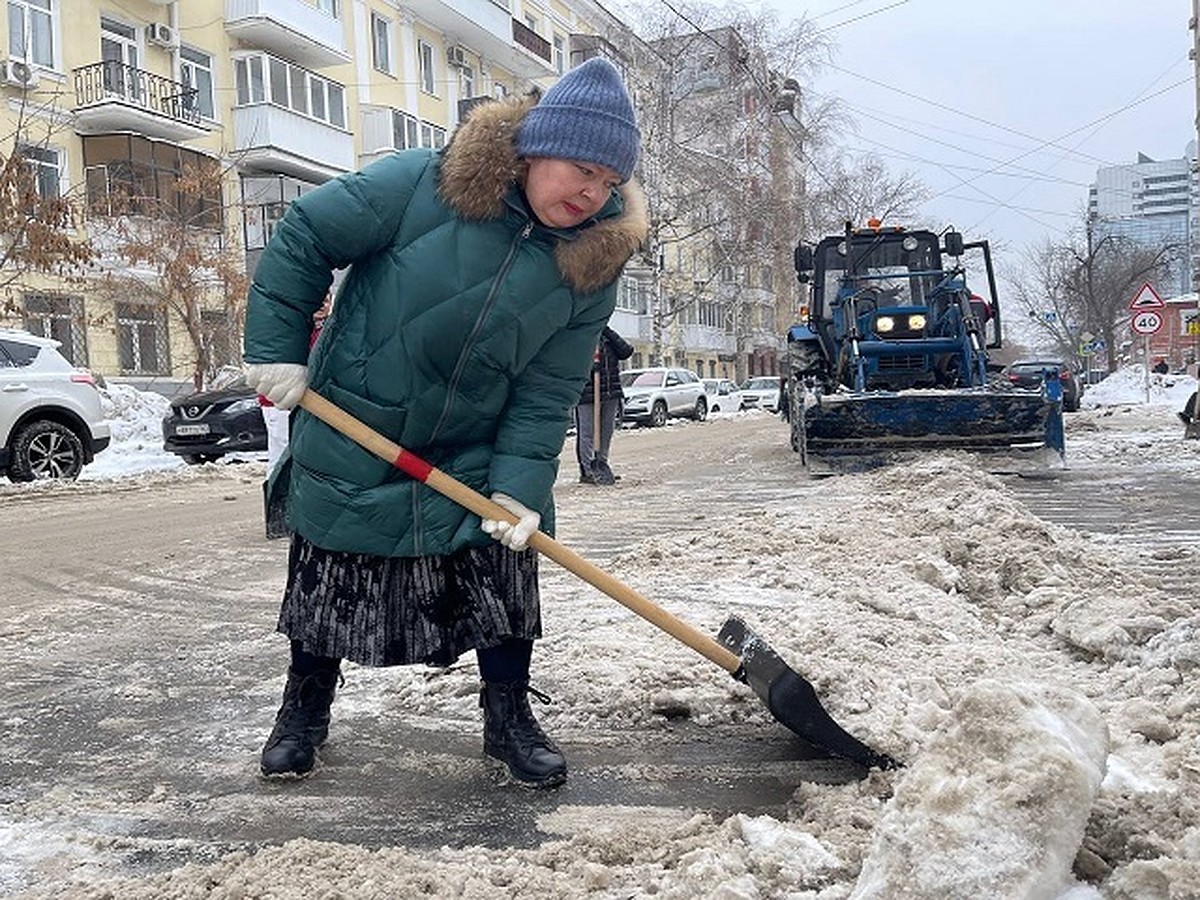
(46, 449)
(701, 411)
(198, 459)
(658, 414)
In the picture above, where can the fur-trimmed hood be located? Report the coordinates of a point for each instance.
(480, 166)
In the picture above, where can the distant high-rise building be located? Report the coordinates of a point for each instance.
(1153, 202)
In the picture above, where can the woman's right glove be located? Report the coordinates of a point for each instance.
(516, 535)
(281, 383)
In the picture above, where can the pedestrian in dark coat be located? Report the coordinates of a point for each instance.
(590, 449)
(480, 277)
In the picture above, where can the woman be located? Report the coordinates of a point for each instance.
(480, 279)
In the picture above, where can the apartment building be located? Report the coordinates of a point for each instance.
(1152, 202)
(111, 100)
(114, 104)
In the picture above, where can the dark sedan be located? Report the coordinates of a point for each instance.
(1031, 374)
(204, 427)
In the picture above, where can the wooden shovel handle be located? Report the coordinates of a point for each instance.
(444, 484)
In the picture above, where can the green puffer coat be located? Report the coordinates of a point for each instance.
(463, 331)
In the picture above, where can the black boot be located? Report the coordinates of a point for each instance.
(602, 473)
(302, 723)
(512, 735)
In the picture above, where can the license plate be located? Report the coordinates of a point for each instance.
(191, 430)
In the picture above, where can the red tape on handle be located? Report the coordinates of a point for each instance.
(411, 464)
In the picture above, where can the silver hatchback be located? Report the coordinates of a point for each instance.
(51, 421)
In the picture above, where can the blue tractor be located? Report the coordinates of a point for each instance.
(891, 353)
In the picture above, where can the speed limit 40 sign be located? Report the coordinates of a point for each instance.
(1146, 322)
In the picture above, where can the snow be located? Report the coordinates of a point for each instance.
(1043, 694)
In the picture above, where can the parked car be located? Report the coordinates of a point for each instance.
(656, 394)
(1031, 373)
(51, 420)
(204, 427)
(723, 395)
(762, 392)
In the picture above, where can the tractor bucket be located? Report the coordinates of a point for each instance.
(878, 422)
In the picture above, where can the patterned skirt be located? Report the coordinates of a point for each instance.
(387, 611)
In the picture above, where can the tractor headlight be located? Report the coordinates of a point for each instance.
(884, 324)
(916, 322)
(909, 243)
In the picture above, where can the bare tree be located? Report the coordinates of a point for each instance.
(860, 187)
(40, 227)
(170, 250)
(725, 143)
(1082, 284)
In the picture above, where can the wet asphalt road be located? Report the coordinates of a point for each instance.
(132, 721)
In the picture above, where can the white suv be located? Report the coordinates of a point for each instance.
(51, 423)
(653, 395)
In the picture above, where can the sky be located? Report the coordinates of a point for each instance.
(1037, 681)
(1005, 109)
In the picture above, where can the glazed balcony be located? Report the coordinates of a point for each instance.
(270, 138)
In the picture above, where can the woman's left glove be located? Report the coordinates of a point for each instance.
(281, 383)
(514, 537)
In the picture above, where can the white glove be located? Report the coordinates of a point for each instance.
(281, 383)
(514, 537)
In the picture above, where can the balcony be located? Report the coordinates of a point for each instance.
(490, 31)
(270, 138)
(291, 29)
(111, 96)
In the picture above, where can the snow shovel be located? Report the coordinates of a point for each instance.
(791, 699)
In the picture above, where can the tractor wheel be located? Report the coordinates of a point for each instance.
(45, 449)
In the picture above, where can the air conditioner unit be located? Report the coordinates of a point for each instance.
(163, 35)
(18, 74)
(457, 56)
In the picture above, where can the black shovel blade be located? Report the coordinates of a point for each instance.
(791, 699)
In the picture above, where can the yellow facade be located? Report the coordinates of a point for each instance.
(118, 99)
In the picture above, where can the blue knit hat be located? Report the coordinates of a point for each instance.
(587, 116)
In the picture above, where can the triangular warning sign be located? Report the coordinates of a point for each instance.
(1146, 298)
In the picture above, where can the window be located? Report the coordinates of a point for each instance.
(288, 85)
(425, 61)
(499, 91)
(265, 198)
(31, 31)
(45, 166)
(432, 136)
(560, 54)
(329, 7)
(141, 340)
(466, 83)
(404, 130)
(119, 54)
(58, 316)
(195, 73)
(381, 43)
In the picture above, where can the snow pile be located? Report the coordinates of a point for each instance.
(135, 423)
(996, 804)
(1129, 385)
(1043, 693)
